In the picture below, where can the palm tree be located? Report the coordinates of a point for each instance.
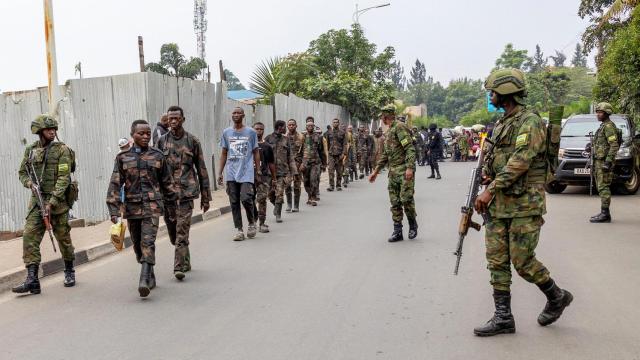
(270, 78)
(617, 9)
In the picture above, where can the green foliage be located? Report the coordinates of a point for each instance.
(478, 116)
(173, 63)
(559, 59)
(418, 73)
(233, 83)
(425, 121)
(579, 58)
(580, 106)
(538, 62)
(269, 78)
(558, 86)
(396, 74)
(512, 58)
(603, 24)
(462, 96)
(619, 72)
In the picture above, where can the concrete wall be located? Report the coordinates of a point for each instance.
(94, 113)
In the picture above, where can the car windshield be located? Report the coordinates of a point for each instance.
(578, 127)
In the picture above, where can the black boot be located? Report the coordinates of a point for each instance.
(296, 203)
(413, 228)
(152, 279)
(438, 177)
(603, 217)
(277, 211)
(432, 176)
(69, 274)
(331, 188)
(557, 300)
(31, 284)
(397, 233)
(345, 182)
(143, 285)
(502, 321)
(288, 209)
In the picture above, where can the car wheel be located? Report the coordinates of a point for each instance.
(631, 186)
(555, 187)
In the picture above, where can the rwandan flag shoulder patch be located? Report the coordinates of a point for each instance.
(522, 140)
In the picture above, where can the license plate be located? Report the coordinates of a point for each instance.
(582, 171)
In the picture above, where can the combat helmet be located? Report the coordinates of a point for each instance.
(389, 109)
(507, 82)
(44, 121)
(605, 107)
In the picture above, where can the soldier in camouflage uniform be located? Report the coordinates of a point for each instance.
(53, 163)
(296, 140)
(433, 144)
(605, 148)
(265, 175)
(379, 146)
(313, 160)
(400, 155)
(147, 182)
(183, 154)
(363, 142)
(285, 166)
(337, 146)
(371, 152)
(515, 171)
(352, 158)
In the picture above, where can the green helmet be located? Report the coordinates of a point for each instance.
(389, 109)
(42, 122)
(605, 107)
(506, 82)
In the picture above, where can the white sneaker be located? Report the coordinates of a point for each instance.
(251, 231)
(239, 236)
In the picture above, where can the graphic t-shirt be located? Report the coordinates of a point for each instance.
(240, 145)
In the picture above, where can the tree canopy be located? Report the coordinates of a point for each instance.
(173, 63)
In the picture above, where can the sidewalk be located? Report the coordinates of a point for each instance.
(91, 243)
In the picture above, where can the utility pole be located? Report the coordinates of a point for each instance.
(141, 53)
(52, 63)
(200, 27)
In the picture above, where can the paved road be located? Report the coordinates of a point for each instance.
(342, 292)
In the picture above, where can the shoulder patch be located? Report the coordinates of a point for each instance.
(613, 138)
(404, 142)
(522, 140)
(63, 168)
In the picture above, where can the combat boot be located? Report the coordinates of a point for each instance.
(278, 212)
(557, 300)
(296, 203)
(288, 209)
(432, 176)
(152, 279)
(397, 233)
(331, 188)
(69, 274)
(502, 321)
(603, 217)
(179, 274)
(346, 181)
(143, 284)
(413, 228)
(438, 177)
(31, 284)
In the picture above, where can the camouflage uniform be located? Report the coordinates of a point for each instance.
(186, 162)
(371, 162)
(351, 167)
(463, 144)
(53, 168)
(337, 147)
(400, 155)
(363, 146)
(263, 181)
(379, 148)
(312, 160)
(285, 166)
(296, 144)
(605, 149)
(147, 182)
(518, 168)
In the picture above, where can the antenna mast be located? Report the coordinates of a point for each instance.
(200, 27)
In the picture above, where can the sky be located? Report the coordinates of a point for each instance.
(453, 38)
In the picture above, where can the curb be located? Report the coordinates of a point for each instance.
(12, 277)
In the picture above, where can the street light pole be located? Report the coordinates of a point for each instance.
(52, 64)
(357, 13)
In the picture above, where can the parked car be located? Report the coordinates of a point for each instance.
(573, 157)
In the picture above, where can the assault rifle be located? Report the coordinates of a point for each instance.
(590, 162)
(35, 189)
(466, 221)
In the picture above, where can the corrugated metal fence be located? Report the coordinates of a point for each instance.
(94, 113)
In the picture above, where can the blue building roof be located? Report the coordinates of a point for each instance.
(242, 95)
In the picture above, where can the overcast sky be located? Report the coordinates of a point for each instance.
(454, 38)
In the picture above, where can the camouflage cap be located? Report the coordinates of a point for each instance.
(605, 107)
(44, 121)
(389, 109)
